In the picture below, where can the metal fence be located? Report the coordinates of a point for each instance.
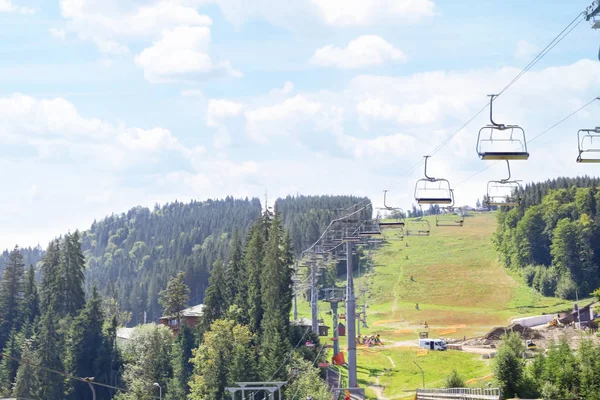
(459, 394)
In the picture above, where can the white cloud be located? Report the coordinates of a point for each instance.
(366, 50)
(6, 6)
(58, 133)
(279, 119)
(287, 88)
(57, 33)
(360, 12)
(296, 13)
(219, 109)
(525, 49)
(192, 93)
(181, 54)
(107, 23)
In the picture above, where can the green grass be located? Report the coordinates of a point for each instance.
(462, 290)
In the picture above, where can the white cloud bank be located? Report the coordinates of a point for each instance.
(364, 51)
(6, 6)
(177, 37)
(329, 12)
(181, 54)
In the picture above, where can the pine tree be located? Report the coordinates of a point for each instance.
(27, 383)
(175, 297)
(31, 299)
(49, 349)
(11, 295)
(275, 339)
(9, 365)
(214, 300)
(72, 274)
(235, 273)
(85, 346)
(253, 260)
(51, 294)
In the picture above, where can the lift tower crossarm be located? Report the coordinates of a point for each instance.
(596, 10)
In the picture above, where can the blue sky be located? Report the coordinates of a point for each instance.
(105, 105)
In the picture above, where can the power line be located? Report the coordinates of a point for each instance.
(291, 353)
(66, 375)
(557, 39)
(313, 364)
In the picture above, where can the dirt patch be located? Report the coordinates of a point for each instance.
(525, 332)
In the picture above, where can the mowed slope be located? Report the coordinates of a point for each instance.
(462, 290)
(458, 283)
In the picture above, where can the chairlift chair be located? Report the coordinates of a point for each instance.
(585, 142)
(505, 192)
(501, 142)
(430, 190)
(418, 227)
(450, 216)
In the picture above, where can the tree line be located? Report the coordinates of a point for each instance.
(53, 325)
(553, 237)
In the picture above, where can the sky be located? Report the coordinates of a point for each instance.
(106, 105)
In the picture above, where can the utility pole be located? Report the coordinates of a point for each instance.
(314, 297)
(351, 314)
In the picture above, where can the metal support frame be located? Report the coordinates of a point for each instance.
(507, 183)
(271, 387)
(314, 298)
(446, 200)
(350, 317)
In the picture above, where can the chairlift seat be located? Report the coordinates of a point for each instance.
(504, 155)
(383, 225)
(434, 200)
(587, 160)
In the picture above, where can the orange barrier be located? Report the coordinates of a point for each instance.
(385, 321)
(483, 378)
(404, 331)
(447, 331)
(422, 352)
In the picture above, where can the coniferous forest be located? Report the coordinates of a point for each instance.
(61, 308)
(553, 238)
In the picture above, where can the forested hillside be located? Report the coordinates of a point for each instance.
(31, 256)
(132, 255)
(554, 236)
(306, 217)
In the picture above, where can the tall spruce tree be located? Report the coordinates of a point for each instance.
(275, 338)
(51, 288)
(11, 295)
(73, 274)
(235, 273)
(31, 299)
(49, 349)
(253, 260)
(182, 367)
(215, 298)
(27, 383)
(86, 349)
(9, 364)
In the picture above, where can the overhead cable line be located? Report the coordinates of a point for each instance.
(66, 375)
(290, 354)
(557, 39)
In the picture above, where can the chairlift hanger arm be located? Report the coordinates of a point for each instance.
(492, 97)
(431, 178)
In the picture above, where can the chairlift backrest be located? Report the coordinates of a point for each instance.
(505, 192)
(585, 143)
